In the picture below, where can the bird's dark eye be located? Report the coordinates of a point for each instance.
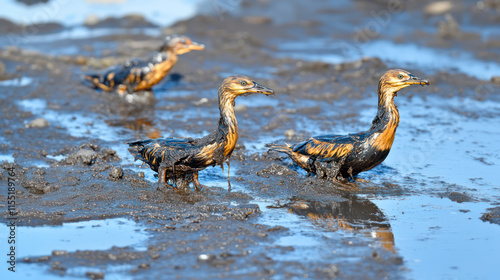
(244, 83)
(401, 76)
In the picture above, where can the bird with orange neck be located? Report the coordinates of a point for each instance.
(178, 161)
(335, 156)
(137, 74)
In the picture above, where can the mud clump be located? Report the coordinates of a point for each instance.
(493, 216)
(450, 29)
(328, 169)
(243, 212)
(94, 275)
(38, 185)
(34, 182)
(89, 154)
(38, 123)
(59, 252)
(7, 27)
(3, 70)
(459, 197)
(31, 179)
(275, 169)
(116, 173)
(289, 134)
(129, 21)
(438, 8)
(32, 2)
(84, 156)
(240, 212)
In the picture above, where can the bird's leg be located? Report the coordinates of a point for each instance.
(350, 173)
(350, 184)
(196, 182)
(121, 90)
(228, 181)
(162, 173)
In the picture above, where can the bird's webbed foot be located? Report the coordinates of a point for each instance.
(121, 90)
(165, 184)
(196, 183)
(182, 184)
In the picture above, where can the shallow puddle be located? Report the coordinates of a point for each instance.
(76, 124)
(453, 153)
(7, 158)
(21, 82)
(442, 239)
(86, 235)
(75, 12)
(311, 222)
(71, 237)
(415, 56)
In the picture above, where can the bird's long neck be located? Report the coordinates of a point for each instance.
(165, 59)
(228, 125)
(387, 119)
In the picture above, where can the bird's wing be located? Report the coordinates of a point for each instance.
(130, 72)
(327, 146)
(169, 150)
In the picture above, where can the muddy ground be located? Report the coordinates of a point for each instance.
(71, 165)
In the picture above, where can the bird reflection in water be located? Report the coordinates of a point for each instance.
(354, 215)
(143, 126)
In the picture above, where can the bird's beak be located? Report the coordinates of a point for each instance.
(416, 81)
(196, 46)
(260, 89)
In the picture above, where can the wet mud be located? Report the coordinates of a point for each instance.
(65, 142)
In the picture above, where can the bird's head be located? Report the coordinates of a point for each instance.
(180, 45)
(237, 85)
(396, 79)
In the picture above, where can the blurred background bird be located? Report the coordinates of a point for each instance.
(137, 74)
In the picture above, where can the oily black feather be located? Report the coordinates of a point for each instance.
(128, 74)
(332, 154)
(178, 153)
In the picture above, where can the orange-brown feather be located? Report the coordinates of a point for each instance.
(326, 149)
(158, 72)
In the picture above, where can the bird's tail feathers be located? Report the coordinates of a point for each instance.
(91, 80)
(287, 148)
(136, 147)
(140, 143)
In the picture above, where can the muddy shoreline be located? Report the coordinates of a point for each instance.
(72, 165)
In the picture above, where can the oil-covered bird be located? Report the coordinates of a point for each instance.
(137, 74)
(345, 156)
(178, 161)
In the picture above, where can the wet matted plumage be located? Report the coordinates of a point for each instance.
(137, 74)
(178, 161)
(335, 156)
